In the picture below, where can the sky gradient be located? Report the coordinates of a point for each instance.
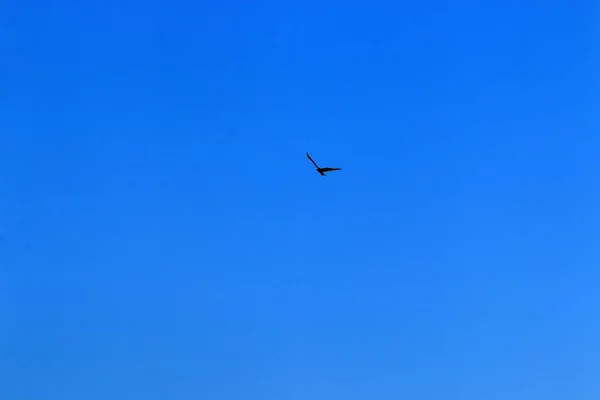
(163, 236)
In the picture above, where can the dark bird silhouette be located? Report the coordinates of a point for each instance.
(319, 169)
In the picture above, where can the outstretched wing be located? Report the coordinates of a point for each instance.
(330, 169)
(308, 155)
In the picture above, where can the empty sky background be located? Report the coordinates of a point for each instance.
(163, 235)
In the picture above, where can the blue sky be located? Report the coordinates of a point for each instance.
(164, 236)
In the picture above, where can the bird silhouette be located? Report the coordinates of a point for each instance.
(319, 169)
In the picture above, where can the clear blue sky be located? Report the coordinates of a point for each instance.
(163, 235)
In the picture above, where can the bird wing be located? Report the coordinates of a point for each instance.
(308, 155)
(330, 169)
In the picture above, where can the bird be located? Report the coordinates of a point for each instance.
(321, 170)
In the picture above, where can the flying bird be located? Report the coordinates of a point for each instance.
(321, 170)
